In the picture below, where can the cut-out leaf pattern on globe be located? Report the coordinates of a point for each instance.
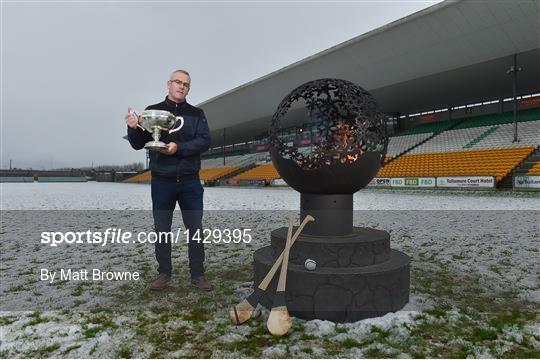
(347, 118)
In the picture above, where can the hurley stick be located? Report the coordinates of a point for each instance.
(243, 311)
(279, 322)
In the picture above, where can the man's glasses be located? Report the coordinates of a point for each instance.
(180, 83)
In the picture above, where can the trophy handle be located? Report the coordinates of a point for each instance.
(179, 127)
(138, 119)
(139, 126)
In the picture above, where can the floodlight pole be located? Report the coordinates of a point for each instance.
(514, 69)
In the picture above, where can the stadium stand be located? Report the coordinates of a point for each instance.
(499, 119)
(266, 172)
(485, 137)
(481, 132)
(143, 177)
(217, 153)
(218, 162)
(531, 166)
(213, 169)
(237, 160)
(397, 145)
(491, 162)
(528, 135)
(210, 174)
(435, 128)
(16, 176)
(465, 133)
(451, 140)
(480, 145)
(205, 174)
(534, 170)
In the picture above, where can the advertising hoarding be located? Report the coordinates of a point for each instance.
(413, 182)
(526, 182)
(466, 182)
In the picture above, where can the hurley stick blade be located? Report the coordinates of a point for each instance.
(279, 322)
(242, 312)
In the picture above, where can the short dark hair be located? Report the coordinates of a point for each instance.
(180, 71)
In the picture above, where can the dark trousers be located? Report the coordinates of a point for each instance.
(189, 195)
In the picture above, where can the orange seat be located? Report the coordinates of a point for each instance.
(491, 162)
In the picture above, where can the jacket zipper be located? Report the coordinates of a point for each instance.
(178, 163)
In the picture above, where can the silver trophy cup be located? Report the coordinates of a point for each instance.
(156, 121)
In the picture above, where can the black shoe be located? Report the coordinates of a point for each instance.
(161, 282)
(202, 283)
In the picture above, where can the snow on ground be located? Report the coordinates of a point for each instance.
(474, 277)
(117, 196)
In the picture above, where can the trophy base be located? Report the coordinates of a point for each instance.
(155, 145)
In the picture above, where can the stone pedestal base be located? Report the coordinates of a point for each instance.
(357, 276)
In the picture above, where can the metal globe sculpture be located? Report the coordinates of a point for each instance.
(336, 271)
(350, 144)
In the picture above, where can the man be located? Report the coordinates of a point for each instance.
(175, 177)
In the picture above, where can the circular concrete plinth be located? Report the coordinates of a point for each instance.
(362, 247)
(339, 294)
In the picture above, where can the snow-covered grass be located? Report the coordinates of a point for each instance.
(474, 278)
(118, 196)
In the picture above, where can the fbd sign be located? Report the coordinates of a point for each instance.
(413, 182)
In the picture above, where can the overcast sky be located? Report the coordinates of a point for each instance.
(71, 69)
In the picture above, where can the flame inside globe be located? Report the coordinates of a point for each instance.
(347, 137)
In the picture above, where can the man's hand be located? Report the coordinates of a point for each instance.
(170, 149)
(131, 119)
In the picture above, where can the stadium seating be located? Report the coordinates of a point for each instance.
(528, 135)
(265, 172)
(399, 144)
(213, 169)
(216, 173)
(218, 153)
(435, 127)
(478, 132)
(204, 174)
(481, 145)
(451, 140)
(143, 177)
(490, 162)
(485, 137)
(474, 121)
(236, 160)
(218, 162)
(534, 170)
(499, 119)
